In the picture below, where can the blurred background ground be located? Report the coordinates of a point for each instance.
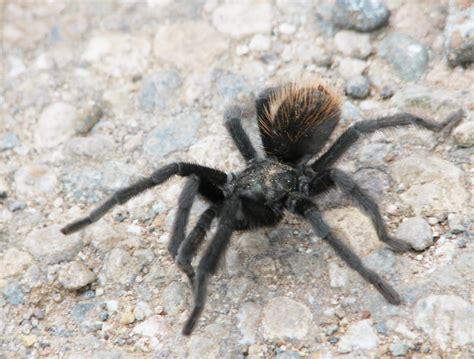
(96, 94)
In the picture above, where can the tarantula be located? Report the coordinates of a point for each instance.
(295, 123)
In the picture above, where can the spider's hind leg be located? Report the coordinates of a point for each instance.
(354, 132)
(336, 177)
(210, 260)
(233, 122)
(299, 204)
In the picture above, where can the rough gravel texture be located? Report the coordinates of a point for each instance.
(97, 94)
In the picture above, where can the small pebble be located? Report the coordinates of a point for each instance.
(79, 311)
(241, 50)
(13, 293)
(88, 120)
(392, 208)
(461, 242)
(15, 206)
(75, 275)
(357, 87)
(408, 57)
(287, 29)
(415, 231)
(333, 340)
(39, 313)
(381, 328)
(455, 223)
(386, 92)
(8, 141)
(331, 329)
(399, 349)
(260, 43)
(127, 317)
(464, 134)
(103, 316)
(360, 15)
(29, 340)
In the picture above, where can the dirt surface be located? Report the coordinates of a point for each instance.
(96, 94)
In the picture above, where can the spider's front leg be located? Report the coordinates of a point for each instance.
(301, 205)
(336, 177)
(209, 175)
(188, 248)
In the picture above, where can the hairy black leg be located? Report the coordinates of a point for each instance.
(344, 181)
(301, 205)
(185, 202)
(233, 123)
(353, 133)
(188, 248)
(263, 99)
(210, 260)
(211, 175)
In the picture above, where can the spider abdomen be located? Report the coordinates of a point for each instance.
(266, 182)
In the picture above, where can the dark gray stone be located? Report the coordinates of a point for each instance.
(158, 90)
(459, 34)
(169, 137)
(13, 293)
(8, 141)
(360, 15)
(357, 87)
(408, 57)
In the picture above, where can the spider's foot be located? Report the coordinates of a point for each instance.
(389, 293)
(75, 226)
(191, 322)
(398, 245)
(451, 121)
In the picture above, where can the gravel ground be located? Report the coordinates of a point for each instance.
(97, 94)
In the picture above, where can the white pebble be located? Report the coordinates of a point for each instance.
(287, 29)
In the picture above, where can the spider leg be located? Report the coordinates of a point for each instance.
(353, 133)
(185, 202)
(344, 181)
(233, 122)
(188, 248)
(209, 262)
(301, 205)
(211, 175)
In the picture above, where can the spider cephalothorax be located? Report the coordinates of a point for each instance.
(295, 123)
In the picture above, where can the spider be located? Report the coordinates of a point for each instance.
(295, 123)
